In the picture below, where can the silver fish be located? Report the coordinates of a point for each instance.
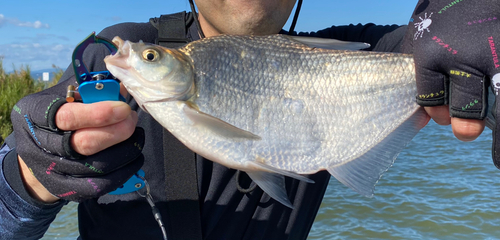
(274, 106)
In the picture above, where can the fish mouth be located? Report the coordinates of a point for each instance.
(118, 63)
(119, 59)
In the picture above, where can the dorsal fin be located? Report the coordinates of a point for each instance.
(327, 43)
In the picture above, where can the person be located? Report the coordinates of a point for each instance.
(52, 138)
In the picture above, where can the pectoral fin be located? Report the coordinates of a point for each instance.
(216, 125)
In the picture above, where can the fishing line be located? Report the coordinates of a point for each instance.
(156, 212)
(193, 10)
(240, 188)
(295, 17)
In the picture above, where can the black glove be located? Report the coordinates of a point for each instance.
(65, 173)
(454, 44)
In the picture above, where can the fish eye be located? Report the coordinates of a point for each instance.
(150, 55)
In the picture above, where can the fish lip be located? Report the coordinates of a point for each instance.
(117, 41)
(119, 59)
(121, 44)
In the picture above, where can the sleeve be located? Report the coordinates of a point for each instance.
(21, 217)
(386, 38)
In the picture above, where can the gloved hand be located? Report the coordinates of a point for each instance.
(49, 154)
(455, 50)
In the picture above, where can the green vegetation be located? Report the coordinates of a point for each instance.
(14, 86)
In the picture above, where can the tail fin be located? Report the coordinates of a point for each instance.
(363, 173)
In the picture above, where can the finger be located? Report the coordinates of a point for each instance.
(432, 85)
(467, 129)
(79, 188)
(440, 114)
(89, 141)
(468, 95)
(464, 129)
(73, 116)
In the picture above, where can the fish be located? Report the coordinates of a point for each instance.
(276, 105)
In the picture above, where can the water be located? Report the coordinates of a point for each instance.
(65, 226)
(439, 188)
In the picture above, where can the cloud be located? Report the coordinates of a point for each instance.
(48, 36)
(16, 22)
(116, 18)
(2, 20)
(36, 55)
(42, 37)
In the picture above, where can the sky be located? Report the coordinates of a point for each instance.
(40, 34)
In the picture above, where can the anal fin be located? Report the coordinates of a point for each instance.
(273, 184)
(272, 181)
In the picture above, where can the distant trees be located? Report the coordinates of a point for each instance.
(14, 86)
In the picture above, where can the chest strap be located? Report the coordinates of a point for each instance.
(171, 29)
(182, 218)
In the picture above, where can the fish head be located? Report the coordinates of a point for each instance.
(151, 73)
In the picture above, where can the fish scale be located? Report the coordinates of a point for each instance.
(322, 99)
(348, 112)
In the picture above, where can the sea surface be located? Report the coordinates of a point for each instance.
(438, 188)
